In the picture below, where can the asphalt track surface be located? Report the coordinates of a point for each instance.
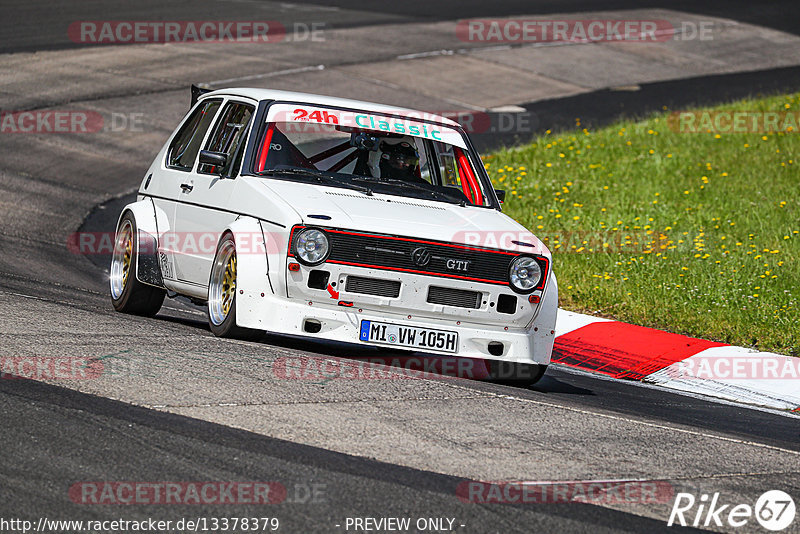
(43, 26)
(153, 428)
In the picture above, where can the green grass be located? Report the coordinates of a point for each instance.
(694, 233)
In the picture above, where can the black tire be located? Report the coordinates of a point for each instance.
(515, 374)
(223, 322)
(128, 294)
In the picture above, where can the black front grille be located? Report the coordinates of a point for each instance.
(403, 254)
(373, 286)
(459, 298)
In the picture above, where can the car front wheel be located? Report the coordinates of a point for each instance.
(222, 294)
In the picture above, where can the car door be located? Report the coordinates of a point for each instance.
(176, 174)
(204, 208)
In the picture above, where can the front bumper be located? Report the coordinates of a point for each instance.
(523, 344)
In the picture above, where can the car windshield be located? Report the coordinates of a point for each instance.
(369, 153)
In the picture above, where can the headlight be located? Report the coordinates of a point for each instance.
(525, 273)
(311, 246)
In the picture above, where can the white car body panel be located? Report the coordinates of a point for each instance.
(387, 214)
(258, 95)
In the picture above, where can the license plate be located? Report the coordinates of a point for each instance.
(408, 336)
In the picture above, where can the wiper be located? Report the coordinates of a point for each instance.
(321, 177)
(411, 185)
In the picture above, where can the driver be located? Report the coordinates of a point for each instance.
(399, 161)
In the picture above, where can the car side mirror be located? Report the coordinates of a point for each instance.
(501, 195)
(215, 159)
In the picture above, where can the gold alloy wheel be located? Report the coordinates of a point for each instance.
(222, 285)
(126, 259)
(122, 259)
(229, 285)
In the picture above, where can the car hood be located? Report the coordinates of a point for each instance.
(404, 216)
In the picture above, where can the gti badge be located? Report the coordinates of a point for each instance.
(458, 265)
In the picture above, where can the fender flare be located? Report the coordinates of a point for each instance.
(543, 340)
(148, 267)
(253, 284)
(549, 302)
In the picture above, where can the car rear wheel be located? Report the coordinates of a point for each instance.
(128, 294)
(222, 294)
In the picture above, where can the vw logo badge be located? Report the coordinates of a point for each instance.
(421, 256)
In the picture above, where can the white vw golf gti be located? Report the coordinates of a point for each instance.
(335, 219)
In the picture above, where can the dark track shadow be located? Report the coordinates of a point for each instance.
(54, 24)
(606, 106)
(192, 323)
(550, 384)
(181, 447)
(780, 15)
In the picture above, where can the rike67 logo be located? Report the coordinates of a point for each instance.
(774, 510)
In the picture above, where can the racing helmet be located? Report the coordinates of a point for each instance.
(402, 155)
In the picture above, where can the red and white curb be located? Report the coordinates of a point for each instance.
(677, 362)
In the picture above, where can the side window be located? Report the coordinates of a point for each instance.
(447, 165)
(457, 172)
(186, 144)
(229, 137)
